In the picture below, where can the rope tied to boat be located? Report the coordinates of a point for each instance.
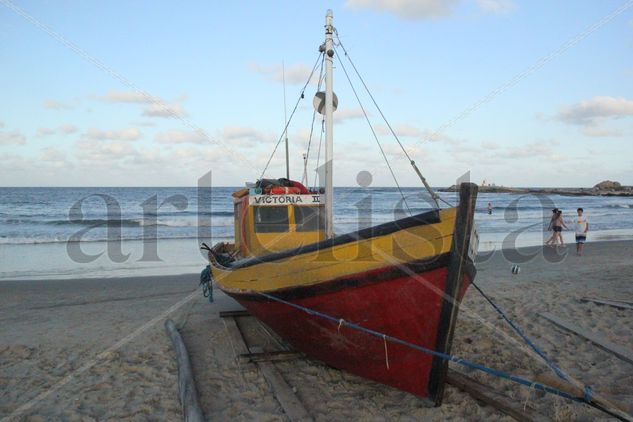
(384, 339)
(525, 338)
(586, 398)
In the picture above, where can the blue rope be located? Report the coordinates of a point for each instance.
(452, 358)
(534, 347)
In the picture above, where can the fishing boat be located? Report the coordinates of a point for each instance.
(404, 278)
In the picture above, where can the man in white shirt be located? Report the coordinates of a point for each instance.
(581, 224)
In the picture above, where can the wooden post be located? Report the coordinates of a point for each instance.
(456, 268)
(191, 410)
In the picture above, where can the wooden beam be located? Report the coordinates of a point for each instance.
(459, 259)
(271, 356)
(235, 313)
(286, 397)
(615, 304)
(191, 410)
(235, 337)
(615, 349)
(497, 400)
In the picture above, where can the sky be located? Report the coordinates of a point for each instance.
(118, 93)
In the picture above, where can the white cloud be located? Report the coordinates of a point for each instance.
(68, 129)
(55, 105)
(129, 134)
(533, 149)
(138, 97)
(101, 153)
(407, 9)
(9, 138)
(155, 106)
(406, 130)
(600, 131)
(164, 110)
(296, 74)
(54, 158)
(496, 6)
(344, 114)
(588, 111)
(182, 137)
(44, 131)
(490, 145)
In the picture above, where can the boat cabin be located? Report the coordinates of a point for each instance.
(273, 222)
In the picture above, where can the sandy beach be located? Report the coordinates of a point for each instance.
(53, 335)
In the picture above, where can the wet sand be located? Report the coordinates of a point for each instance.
(53, 335)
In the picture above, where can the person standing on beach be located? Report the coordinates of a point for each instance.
(552, 240)
(582, 227)
(558, 225)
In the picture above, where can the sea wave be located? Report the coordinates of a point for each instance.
(125, 222)
(41, 241)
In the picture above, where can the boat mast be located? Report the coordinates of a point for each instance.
(283, 76)
(329, 109)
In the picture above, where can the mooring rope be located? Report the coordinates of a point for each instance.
(588, 392)
(529, 342)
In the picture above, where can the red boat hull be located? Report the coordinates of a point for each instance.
(405, 304)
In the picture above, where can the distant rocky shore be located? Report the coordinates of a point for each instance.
(605, 188)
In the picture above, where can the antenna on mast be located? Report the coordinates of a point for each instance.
(283, 76)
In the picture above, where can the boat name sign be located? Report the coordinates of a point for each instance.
(272, 200)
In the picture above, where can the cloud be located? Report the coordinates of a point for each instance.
(68, 129)
(589, 111)
(238, 132)
(155, 106)
(55, 105)
(533, 149)
(182, 137)
(409, 131)
(44, 131)
(490, 145)
(137, 97)
(344, 114)
(296, 74)
(129, 134)
(12, 138)
(103, 152)
(600, 131)
(407, 9)
(496, 6)
(164, 110)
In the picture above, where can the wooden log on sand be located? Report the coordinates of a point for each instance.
(614, 303)
(191, 410)
(492, 398)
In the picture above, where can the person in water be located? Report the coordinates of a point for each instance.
(489, 208)
(581, 224)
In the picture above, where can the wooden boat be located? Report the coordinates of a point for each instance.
(404, 278)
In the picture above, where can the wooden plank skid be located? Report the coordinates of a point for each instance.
(235, 313)
(235, 336)
(615, 349)
(271, 356)
(284, 394)
(497, 400)
(615, 304)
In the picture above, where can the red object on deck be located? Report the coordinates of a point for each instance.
(407, 307)
(283, 190)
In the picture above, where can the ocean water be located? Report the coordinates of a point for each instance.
(101, 232)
